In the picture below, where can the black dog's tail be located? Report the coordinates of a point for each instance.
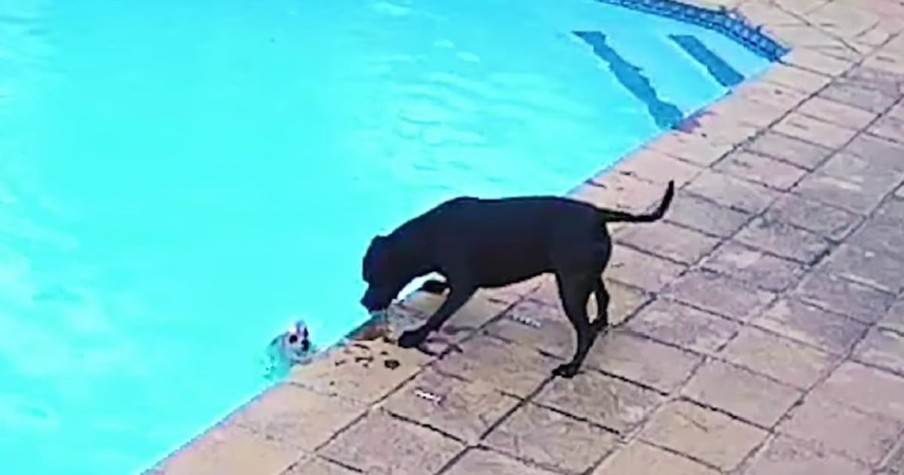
(612, 216)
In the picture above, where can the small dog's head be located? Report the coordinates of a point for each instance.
(298, 338)
(387, 271)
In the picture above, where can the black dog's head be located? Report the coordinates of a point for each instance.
(387, 269)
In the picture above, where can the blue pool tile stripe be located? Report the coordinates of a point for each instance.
(665, 114)
(717, 67)
(722, 21)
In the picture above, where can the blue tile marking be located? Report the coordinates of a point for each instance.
(717, 67)
(665, 114)
(724, 21)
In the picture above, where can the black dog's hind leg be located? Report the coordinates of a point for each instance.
(458, 296)
(575, 290)
(601, 323)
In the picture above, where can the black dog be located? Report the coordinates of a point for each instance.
(476, 243)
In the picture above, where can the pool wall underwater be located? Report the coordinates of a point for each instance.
(649, 100)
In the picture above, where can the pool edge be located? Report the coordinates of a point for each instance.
(329, 396)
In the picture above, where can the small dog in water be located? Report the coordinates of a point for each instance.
(288, 349)
(478, 243)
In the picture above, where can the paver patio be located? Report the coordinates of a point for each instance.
(760, 326)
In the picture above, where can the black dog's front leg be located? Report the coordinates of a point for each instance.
(458, 296)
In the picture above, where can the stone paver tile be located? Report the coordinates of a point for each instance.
(833, 426)
(369, 370)
(538, 325)
(657, 167)
(888, 127)
(886, 60)
(230, 450)
(297, 416)
(894, 460)
(837, 113)
(741, 392)
(465, 409)
(848, 195)
(788, 456)
(485, 462)
(771, 93)
(843, 296)
(705, 216)
(794, 77)
(783, 239)
(643, 360)
(815, 130)
(843, 19)
(790, 362)
(703, 434)
(512, 293)
(690, 147)
(880, 236)
(894, 319)
(891, 209)
(668, 240)
(733, 192)
(820, 218)
(600, 399)
(792, 150)
(868, 267)
(719, 294)
(550, 439)
(510, 368)
(869, 99)
(638, 457)
(816, 61)
(872, 78)
(478, 310)
(618, 191)
(722, 127)
(897, 111)
(883, 348)
(754, 267)
(861, 170)
(761, 169)
(317, 466)
(624, 300)
(380, 443)
(640, 269)
(880, 153)
(811, 325)
(866, 389)
(748, 110)
(680, 325)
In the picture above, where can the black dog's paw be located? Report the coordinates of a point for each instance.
(567, 370)
(412, 338)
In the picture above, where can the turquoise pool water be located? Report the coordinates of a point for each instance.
(178, 179)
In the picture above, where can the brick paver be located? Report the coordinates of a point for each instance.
(759, 327)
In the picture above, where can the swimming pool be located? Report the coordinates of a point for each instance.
(178, 179)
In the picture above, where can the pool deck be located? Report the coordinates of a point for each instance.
(760, 326)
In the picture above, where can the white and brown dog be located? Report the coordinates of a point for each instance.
(288, 349)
